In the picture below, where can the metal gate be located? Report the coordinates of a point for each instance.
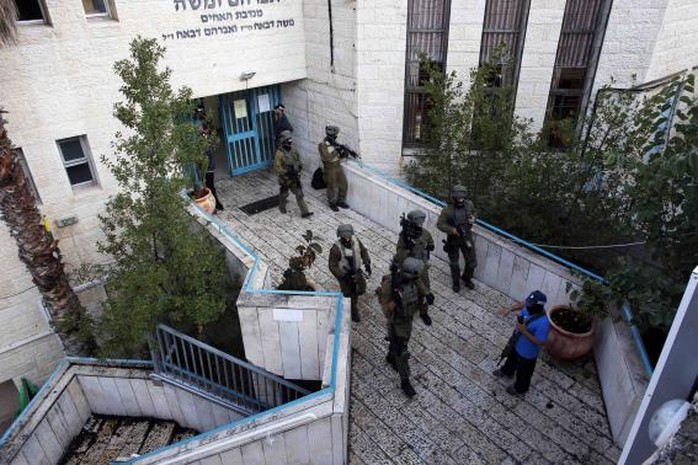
(248, 127)
(189, 363)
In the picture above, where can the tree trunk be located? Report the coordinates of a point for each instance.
(39, 251)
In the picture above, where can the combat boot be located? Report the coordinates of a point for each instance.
(355, 315)
(342, 204)
(334, 208)
(390, 358)
(407, 388)
(425, 318)
(456, 286)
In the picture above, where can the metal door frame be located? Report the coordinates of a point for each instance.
(249, 145)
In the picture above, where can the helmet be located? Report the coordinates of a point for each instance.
(412, 267)
(458, 191)
(417, 217)
(536, 298)
(331, 131)
(345, 231)
(285, 136)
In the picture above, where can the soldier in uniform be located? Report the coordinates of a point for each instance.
(335, 178)
(287, 165)
(344, 265)
(456, 220)
(415, 241)
(401, 294)
(281, 123)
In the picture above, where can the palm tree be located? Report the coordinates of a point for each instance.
(38, 250)
(8, 22)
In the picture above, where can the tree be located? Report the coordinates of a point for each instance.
(38, 249)
(8, 22)
(166, 268)
(630, 175)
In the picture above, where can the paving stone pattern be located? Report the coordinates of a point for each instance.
(461, 414)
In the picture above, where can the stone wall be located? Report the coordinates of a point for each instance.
(538, 60)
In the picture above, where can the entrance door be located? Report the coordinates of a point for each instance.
(248, 127)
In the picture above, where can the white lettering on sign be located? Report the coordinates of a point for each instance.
(286, 314)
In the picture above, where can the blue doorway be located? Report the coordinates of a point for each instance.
(248, 128)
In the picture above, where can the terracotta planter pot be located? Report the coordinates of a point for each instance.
(566, 345)
(207, 202)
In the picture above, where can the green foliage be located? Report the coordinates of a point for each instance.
(294, 276)
(627, 176)
(592, 300)
(165, 268)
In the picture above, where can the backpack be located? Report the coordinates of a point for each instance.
(318, 181)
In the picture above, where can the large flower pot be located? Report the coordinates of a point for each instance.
(566, 345)
(207, 202)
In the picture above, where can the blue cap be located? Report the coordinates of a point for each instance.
(536, 297)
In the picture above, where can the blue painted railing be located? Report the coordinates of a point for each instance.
(626, 308)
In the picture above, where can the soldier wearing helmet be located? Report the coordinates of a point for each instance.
(400, 295)
(335, 178)
(415, 241)
(456, 220)
(287, 165)
(344, 265)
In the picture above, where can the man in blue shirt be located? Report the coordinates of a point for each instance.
(532, 327)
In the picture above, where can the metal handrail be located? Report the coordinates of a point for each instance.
(250, 388)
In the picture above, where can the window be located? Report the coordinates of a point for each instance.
(19, 157)
(30, 10)
(96, 7)
(76, 159)
(583, 28)
(503, 35)
(427, 34)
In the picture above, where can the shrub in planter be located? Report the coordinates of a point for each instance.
(294, 276)
(573, 326)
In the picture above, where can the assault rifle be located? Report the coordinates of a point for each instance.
(345, 152)
(293, 174)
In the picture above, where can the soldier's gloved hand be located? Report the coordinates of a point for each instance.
(368, 268)
(430, 299)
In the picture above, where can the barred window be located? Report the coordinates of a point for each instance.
(583, 28)
(503, 34)
(427, 34)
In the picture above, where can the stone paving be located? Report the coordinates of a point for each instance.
(461, 414)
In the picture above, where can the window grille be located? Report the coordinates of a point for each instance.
(583, 27)
(427, 34)
(76, 159)
(503, 31)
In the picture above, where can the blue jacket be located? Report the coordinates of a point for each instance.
(539, 328)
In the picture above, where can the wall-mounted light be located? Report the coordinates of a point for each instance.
(666, 420)
(247, 75)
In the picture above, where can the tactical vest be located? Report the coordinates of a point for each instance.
(290, 160)
(347, 253)
(460, 216)
(410, 298)
(328, 154)
(419, 249)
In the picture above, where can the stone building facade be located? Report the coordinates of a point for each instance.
(343, 62)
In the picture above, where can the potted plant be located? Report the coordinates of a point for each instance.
(294, 276)
(201, 194)
(196, 170)
(573, 326)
